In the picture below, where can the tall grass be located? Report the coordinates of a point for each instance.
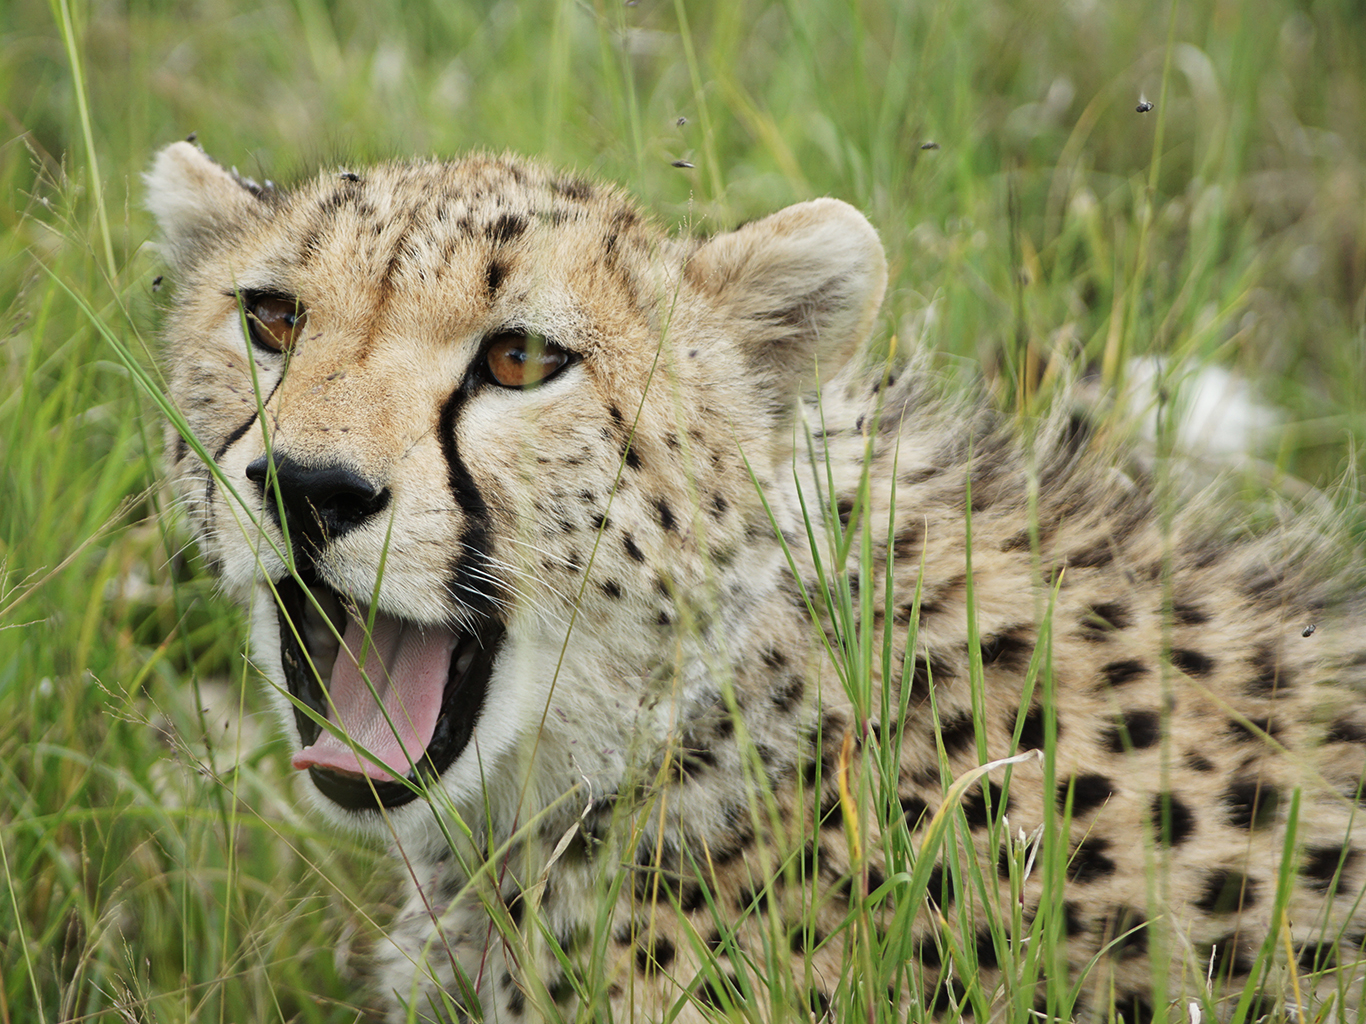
(155, 863)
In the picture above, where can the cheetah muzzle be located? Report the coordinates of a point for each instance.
(405, 696)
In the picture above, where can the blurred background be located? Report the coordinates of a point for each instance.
(155, 864)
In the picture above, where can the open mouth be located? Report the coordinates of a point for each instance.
(404, 694)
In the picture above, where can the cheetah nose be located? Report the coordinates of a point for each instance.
(319, 503)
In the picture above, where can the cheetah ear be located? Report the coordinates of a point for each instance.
(801, 288)
(195, 200)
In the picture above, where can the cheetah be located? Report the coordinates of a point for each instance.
(679, 646)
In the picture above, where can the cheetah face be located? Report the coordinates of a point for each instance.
(403, 672)
(441, 427)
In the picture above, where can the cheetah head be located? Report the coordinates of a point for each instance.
(464, 436)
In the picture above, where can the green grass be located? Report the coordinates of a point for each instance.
(154, 868)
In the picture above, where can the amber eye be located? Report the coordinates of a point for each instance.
(521, 360)
(275, 322)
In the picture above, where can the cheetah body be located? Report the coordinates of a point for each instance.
(667, 783)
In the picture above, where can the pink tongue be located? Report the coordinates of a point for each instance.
(407, 665)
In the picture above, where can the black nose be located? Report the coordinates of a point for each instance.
(320, 503)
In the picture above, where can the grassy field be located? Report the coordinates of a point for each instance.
(155, 865)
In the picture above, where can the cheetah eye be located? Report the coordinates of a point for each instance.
(275, 322)
(523, 360)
